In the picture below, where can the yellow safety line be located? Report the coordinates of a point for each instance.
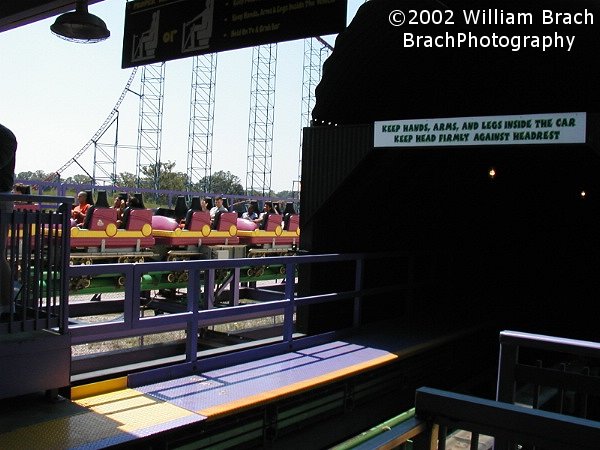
(214, 412)
(97, 388)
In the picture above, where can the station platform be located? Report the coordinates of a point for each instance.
(111, 414)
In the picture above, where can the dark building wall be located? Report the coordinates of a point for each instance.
(523, 247)
(329, 156)
(371, 75)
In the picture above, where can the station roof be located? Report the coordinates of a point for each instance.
(14, 14)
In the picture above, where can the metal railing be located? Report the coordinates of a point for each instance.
(438, 413)
(519, 426)
(197, 315)
(169, 196)
(37, 252)
(571, 366)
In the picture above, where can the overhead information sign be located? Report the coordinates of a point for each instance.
(559, 128)
(162, 30)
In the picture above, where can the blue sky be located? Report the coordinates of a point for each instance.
(55, 95)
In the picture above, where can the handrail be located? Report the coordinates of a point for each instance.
(513, 423)
(133, 325)
(62, 187)
(46, 199)
(37, 252)
(391, 433)
(543, 342)
(514, 373)
(193, 317)
(438, 413)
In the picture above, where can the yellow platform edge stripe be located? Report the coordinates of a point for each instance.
(215, 412)
(97, 388)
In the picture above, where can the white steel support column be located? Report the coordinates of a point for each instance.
(260, 128)
(202, 110)
(150, 124)
(105, 157)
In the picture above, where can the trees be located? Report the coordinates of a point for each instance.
(222, 182)
(284, 194)
(80, 179)
(160, 176)
(167, 178)
(37, 175)
(126, 179)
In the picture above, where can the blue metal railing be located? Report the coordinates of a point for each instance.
(62, 189)
(39, 252)
(39, 256)
(196, 316)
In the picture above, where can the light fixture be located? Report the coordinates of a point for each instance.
(80, 26)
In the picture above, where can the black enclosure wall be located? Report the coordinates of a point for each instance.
(522, 247)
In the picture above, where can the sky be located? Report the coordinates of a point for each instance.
(55, 95)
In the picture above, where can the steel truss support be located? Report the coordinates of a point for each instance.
(260, 128)
(316, 50)
(105, 157)
(150, 124)
(202, 110)
(94, 140)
